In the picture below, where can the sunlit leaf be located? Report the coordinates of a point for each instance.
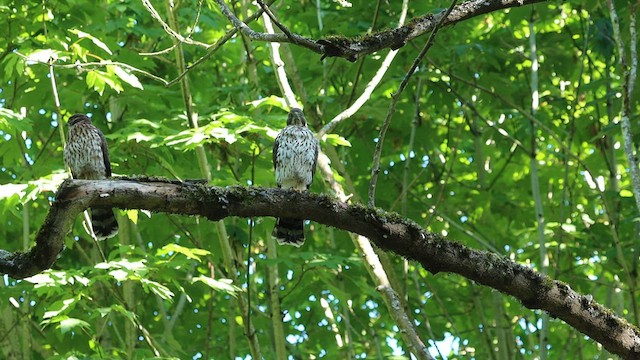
(335, 140)
(626, 193)
(272, 100)
(132, 215)
(81, 34)
(127, 77)
(191, 253)
(162, 291)
(59, 307)
(224, 285)
(69, 324)
(42, 56)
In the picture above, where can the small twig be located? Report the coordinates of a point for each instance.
(412, 136)
(254, 35)
(196, 20)
(193, 28)
(281, 75)
(395, 98)
(276, 21)
(160, 52)
(356, 78)
(363, 98)
(518, 109)
(87, 65)
(215, 47)
(627, 85)
(477, 113)
(88, 225)
(368, 90)
(23, 151)
(303, 271)
(154, 13)
(56, 97)
(633, 31)
(392, 299)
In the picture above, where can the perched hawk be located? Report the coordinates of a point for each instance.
(87, 156)
(295, 153)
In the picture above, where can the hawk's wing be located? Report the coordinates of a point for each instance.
(276, 144)
(105, 154)
(275, 151)
(315, 159)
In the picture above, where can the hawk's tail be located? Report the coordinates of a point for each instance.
(289, 231)
(104, 223)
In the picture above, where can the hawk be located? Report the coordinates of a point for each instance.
(87, 156)
(295, 153)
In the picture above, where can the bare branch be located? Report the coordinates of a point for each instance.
(154, 13)
(254, 35)
(368, 89)
(278, 64)
(394, 100)
(275, 20)
(388, 231)
(357, 47)
(629, 77)
(93, 65)
(213, 48)
(392, 300)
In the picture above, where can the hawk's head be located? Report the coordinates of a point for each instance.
(78, 118)
(296, 117)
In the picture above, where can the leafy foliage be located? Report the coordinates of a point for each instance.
(457, 159)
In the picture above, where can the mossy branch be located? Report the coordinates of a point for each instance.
(388, 231)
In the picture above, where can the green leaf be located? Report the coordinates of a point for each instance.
(127, 77)
(122, 311)
(14, 66)
(42, 56)
(132, 215)
(125, 269)
(191, 253)
(224, 285)
(11, 121)
(270, 101)
(626, 193)
(162, 291)
(59, 307)
(9, 190)
(95, 81)
(335, 140)
(69, 324)
(81, 34)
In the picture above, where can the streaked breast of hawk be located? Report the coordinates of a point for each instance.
(87, 156)
(295, 153)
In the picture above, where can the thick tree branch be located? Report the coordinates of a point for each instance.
(388, 231)
(357, 47)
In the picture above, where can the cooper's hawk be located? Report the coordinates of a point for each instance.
(87, 156)
(295, 153)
